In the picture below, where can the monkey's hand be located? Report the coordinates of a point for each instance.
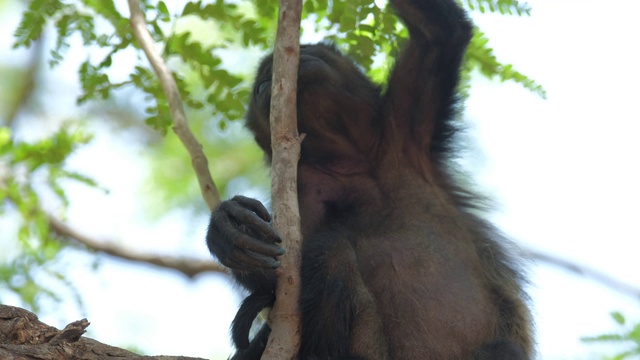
(241, 237)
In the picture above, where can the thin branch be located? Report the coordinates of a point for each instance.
(587, 272)
(188, 266)
(284, 340)
(180, 127)
(192, 267)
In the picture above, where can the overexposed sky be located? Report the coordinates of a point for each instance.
(564, 171)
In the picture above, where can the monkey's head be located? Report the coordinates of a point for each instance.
(338, 110)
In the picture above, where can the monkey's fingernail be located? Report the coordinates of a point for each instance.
(281, 251)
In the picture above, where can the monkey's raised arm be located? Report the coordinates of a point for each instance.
(422, 87)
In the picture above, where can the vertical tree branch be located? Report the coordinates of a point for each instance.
(180, 127)
(284, 320)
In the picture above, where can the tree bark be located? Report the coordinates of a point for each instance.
(24, 337)
(284, 319)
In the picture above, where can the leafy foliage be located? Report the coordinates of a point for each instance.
(364, 29)
(629, 336)
(481, 57)
(25, 166)
(504, 7)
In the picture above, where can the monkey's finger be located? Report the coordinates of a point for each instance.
(225, 236)
(252, 261)
(248, 243)
(239, 259)
(253, 205)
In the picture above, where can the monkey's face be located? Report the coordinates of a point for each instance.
(337, 108)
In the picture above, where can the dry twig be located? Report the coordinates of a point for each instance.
(188, 266)
(588, 272)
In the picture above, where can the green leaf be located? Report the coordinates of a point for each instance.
(479, 56)
(618, 317)
(105, 8)
(504, 7)
(267, 8)
(95, 83)
(5, 138)
(34, 19)
(604, 338)
(634, 335)
(627, 338)
(163, 11)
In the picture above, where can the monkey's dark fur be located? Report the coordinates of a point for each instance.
(395, 265)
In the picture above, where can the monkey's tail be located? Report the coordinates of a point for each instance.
(248, 311)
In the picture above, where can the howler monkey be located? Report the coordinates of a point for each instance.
(395, 265)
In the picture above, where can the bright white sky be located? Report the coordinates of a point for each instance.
(564, 170)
